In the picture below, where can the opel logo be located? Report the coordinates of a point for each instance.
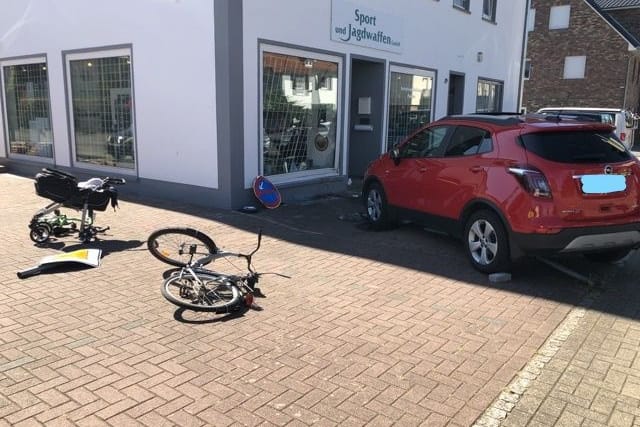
(608, 169)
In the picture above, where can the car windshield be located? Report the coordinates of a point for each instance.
(576, 146)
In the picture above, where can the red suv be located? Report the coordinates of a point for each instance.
(511, 185)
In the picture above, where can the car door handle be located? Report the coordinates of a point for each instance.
(422, 170)
(476, 169)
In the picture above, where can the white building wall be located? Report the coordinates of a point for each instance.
(173, 74)
(435, 35)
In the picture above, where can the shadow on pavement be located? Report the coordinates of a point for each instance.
(106, 246)
(336, 223)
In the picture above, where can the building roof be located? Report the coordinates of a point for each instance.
(615, 4)
(625, 32)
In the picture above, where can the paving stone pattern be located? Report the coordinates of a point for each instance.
(373, 328)
(594, 378)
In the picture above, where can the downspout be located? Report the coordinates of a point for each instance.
(627, 80)
(626, 84)
(523, 58)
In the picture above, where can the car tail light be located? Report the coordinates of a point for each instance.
(623, 136)
(532, 180)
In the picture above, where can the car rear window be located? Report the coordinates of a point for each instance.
(576, 147)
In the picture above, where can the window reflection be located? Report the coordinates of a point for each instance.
(102, 111)
(300, 101)
(489, 97)
(409, 105)
(27, 104)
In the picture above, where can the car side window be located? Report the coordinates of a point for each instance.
(467, 141)
(426, 143)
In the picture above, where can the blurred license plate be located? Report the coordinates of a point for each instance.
(603, 184)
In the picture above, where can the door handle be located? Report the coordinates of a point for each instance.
(422, 170)
(476, 169)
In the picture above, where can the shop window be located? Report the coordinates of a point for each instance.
(101, 101)
(489, 96)
(27, 114)
(410, 103)
(489, 10)
(299, 112)
(574, 67)
(559, 17)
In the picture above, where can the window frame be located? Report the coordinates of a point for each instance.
(526, 70)
(491, 16)
(573, 61)
(463, 5)
(420, 72)
(531, 20)
(81, 55)
(311, 54)
(436, 152)
(26, 60)
(557, 23)
(486, 135)
(495, 82)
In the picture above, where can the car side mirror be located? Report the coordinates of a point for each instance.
(394, 154)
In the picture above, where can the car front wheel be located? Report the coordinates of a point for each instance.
(377, 207)
(486, 242)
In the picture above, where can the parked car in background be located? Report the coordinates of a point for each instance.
(120, 144)
(625, 121)
(511, 185)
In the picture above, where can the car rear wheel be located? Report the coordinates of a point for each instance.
(377, 208)
(609, 255)
(486, 242)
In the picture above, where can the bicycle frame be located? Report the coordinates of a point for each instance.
(194, 287)
(246, 283)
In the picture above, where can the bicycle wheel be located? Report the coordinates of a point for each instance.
(202, 292)
(179, 246)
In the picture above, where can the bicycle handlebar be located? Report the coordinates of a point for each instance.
(221, 254)
(116, 181)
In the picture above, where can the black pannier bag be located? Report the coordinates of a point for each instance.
(55, 185)
(98, 200)
(61, 187)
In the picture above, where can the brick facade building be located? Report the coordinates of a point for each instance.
(583, 53)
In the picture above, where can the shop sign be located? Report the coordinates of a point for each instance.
(363, 26)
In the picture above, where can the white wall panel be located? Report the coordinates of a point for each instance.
(172, 44)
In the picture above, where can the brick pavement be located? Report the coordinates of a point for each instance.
(593, 378)
(372, 329)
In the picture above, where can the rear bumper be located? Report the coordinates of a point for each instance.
(587, 239)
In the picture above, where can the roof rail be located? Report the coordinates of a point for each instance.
(504, 119)
(559, 116)
(500, 113)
